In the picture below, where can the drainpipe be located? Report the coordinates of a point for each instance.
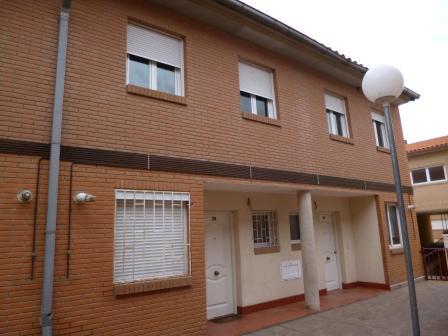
(46, 314)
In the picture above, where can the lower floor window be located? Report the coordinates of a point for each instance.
(151, 235)
(294, 227)
(393, 223)
(265, 228)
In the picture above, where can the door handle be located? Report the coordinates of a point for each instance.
(216, 273)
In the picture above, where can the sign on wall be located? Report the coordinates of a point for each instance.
(290, 269)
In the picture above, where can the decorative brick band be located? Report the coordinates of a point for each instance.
(131, 160)
(275, 303)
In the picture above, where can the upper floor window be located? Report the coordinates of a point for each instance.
(336, 115)
(428, 174)
(151, 235)
(379, 128)
(393, 224)
(257, 90)
(155, 60)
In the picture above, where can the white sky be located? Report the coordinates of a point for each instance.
(410, 34)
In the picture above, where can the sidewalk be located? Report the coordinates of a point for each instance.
(382, 315)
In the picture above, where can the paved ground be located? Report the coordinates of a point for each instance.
(386, 314)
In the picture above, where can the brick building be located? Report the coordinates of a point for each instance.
(428, 162)
(235, 163)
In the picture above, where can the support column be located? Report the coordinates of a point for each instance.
(309, 256)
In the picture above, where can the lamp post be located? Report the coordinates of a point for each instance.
(383, 84)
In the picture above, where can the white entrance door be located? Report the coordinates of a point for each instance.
(218, 262)
(328, 251)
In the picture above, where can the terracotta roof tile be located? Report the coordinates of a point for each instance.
(427, 145)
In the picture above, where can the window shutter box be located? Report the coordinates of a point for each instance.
(256, 81)
(155, 46)
(335, 104)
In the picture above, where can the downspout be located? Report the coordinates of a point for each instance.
(46, 314)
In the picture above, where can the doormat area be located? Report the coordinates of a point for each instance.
(227, 318)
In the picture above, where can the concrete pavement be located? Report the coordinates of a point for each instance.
(386, 314)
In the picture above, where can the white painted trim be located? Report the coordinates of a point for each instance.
(428, 182)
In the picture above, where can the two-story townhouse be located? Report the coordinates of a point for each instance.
(428, 163)
(235, 163)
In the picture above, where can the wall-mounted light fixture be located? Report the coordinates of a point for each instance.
(411, 206)
(25, 196)
(82, 197)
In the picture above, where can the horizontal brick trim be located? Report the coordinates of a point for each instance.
(342, 139)
(151, 285)
(141, 91)
(383, 149)
(282, 176)
(396, 251)
(265, 250)
(261, 119)
(188, 166)
(365, 285)
(104, 157)
(132, 160)
(275, 303)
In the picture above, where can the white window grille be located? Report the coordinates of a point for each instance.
(393, 224)
(257, 90)
(336, 115)
(265, 228)
(155, 60)
(151, 235)
(379, 128)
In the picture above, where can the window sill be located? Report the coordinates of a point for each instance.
(264, 120)
(296, 247)
(396, 250)
(383, 149)
(151, 285)
(265, 250)
(342, 139)
(141, 91)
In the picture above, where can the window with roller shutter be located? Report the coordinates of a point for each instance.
(155, 60)
(151, 235)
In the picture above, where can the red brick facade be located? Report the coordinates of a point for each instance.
(101, 112)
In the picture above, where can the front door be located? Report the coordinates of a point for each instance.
(328, 251)
(218, 261)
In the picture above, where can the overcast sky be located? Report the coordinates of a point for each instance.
(410, 34)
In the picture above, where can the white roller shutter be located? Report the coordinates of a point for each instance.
(151, 239)
(334, 103)
(256, 81)
(155, 46)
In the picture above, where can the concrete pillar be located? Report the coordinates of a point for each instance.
(309, 256)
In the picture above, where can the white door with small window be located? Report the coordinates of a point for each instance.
(328, 251)
(219, 266)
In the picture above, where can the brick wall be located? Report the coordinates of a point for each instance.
(394, 263)
(84, 303)
(99, 112)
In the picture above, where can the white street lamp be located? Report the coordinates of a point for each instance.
(382, 85)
